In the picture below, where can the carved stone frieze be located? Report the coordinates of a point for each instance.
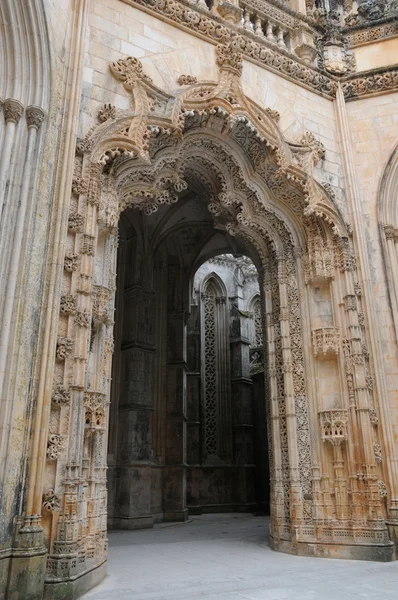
(382, 80)
(364, 35)
(187, 80)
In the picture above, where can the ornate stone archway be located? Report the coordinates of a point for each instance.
(328, 486)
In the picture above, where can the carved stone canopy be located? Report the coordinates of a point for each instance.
(149, 150)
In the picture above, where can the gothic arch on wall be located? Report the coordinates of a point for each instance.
(209, 138)
(388, 224)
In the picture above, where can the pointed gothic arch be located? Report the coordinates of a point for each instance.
(212, 141)
(388, 226)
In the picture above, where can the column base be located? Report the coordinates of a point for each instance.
(136, 522)
(74, 588)
(382, 553)
(178, 515)
(26, 564)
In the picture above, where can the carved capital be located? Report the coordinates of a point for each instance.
(34, 117)
(389, 232)
(13, 110)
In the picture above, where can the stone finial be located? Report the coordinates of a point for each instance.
(129, 70)
(13, 110)
(229, 57)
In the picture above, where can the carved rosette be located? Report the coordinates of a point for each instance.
(326, 341)
(334, 425)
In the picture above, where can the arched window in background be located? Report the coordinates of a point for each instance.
(215, 367)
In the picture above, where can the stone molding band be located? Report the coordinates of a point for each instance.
(258, 50)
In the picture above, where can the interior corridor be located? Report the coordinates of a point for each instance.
(227, 557)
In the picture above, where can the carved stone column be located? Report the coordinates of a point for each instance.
(277, 492)
(174, 482)
(296, 493)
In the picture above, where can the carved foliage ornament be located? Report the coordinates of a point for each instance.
(51, 501)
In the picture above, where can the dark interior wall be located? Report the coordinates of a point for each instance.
(158, 469)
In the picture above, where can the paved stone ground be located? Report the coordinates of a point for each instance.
(226, 557)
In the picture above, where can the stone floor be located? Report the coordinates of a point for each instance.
(227, 557)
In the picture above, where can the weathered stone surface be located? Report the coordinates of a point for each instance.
(261, 153)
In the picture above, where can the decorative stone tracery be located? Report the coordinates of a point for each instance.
(212, 140)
